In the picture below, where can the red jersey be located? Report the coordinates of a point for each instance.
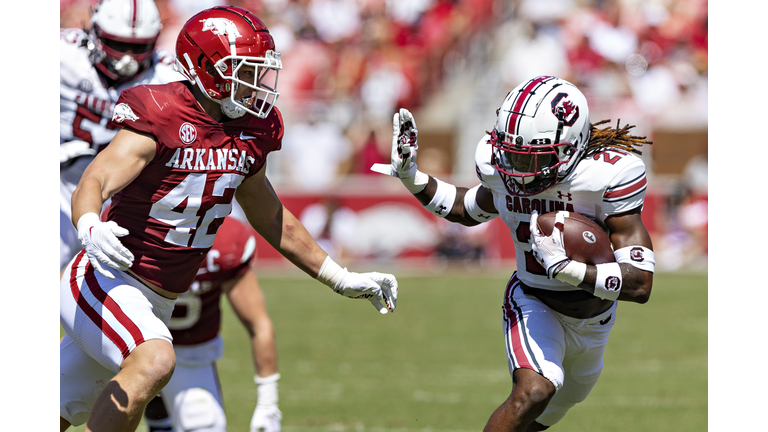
(173, 209)
(197, 315)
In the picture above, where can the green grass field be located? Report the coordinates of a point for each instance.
(438, 362)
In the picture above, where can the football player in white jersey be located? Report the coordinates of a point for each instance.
(544, 155)
(96, 64)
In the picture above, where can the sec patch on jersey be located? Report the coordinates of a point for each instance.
(584, 240)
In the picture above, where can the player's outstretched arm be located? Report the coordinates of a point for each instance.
(247, 299)
(457, 204)
(281, 229)
(630, 278)
(109, 172)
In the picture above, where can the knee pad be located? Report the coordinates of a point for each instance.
(197, 410)
(81, 379)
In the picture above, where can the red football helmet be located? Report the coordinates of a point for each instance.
(122, 37)
(213, 47)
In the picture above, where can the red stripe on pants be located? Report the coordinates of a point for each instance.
(109, 304)
(515, 340)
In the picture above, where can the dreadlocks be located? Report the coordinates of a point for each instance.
(616, 137)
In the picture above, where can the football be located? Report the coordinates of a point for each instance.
(584, 240)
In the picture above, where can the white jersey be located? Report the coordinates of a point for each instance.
(608, 183)
(86, 102)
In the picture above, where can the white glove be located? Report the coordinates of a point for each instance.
(549, 250)
(101, 244)
(376, 287)
(266, 417)
(404, 147)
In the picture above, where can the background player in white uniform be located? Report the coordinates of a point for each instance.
(193, 396)
(543, 155)
(115, 53)
(185, 150)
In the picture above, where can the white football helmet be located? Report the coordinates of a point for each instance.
(540, 134)
(122, 37)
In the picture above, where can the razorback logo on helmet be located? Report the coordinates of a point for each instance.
(123, 112)
(220, 26)
(636, 254)
(570, 110)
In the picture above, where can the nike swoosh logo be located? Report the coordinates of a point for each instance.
(605, 321)
(246, 137)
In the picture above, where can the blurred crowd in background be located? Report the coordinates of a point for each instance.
(348, 65)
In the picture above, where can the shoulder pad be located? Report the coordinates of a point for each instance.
(485, 171)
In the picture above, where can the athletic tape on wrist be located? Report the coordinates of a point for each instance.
(573, 273)
(474, 210)
(267, 389)
(267, 379)
(331, 273)
(636, 256)
(442, 202)
(608, 282)
(415, 183)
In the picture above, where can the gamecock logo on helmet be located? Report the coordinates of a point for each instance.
(636, 254)
(187, 133)
(220, 26)
(122, 113)
(570, 110)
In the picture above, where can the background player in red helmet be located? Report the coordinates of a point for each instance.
(544, 155)
(185, 151)
(192, 400)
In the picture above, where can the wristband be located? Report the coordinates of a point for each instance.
(474, 210)
(331, 273)
(442, 202)
(636, 256)
(266, 389)
(573, 273)
(415, 183)
(608, 282)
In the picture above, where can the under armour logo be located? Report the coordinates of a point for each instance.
(440, 210)
(484, 216)
(561, 195)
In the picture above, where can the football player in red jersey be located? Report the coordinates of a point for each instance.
(192, 400)
(544, 155)
(185, 150)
